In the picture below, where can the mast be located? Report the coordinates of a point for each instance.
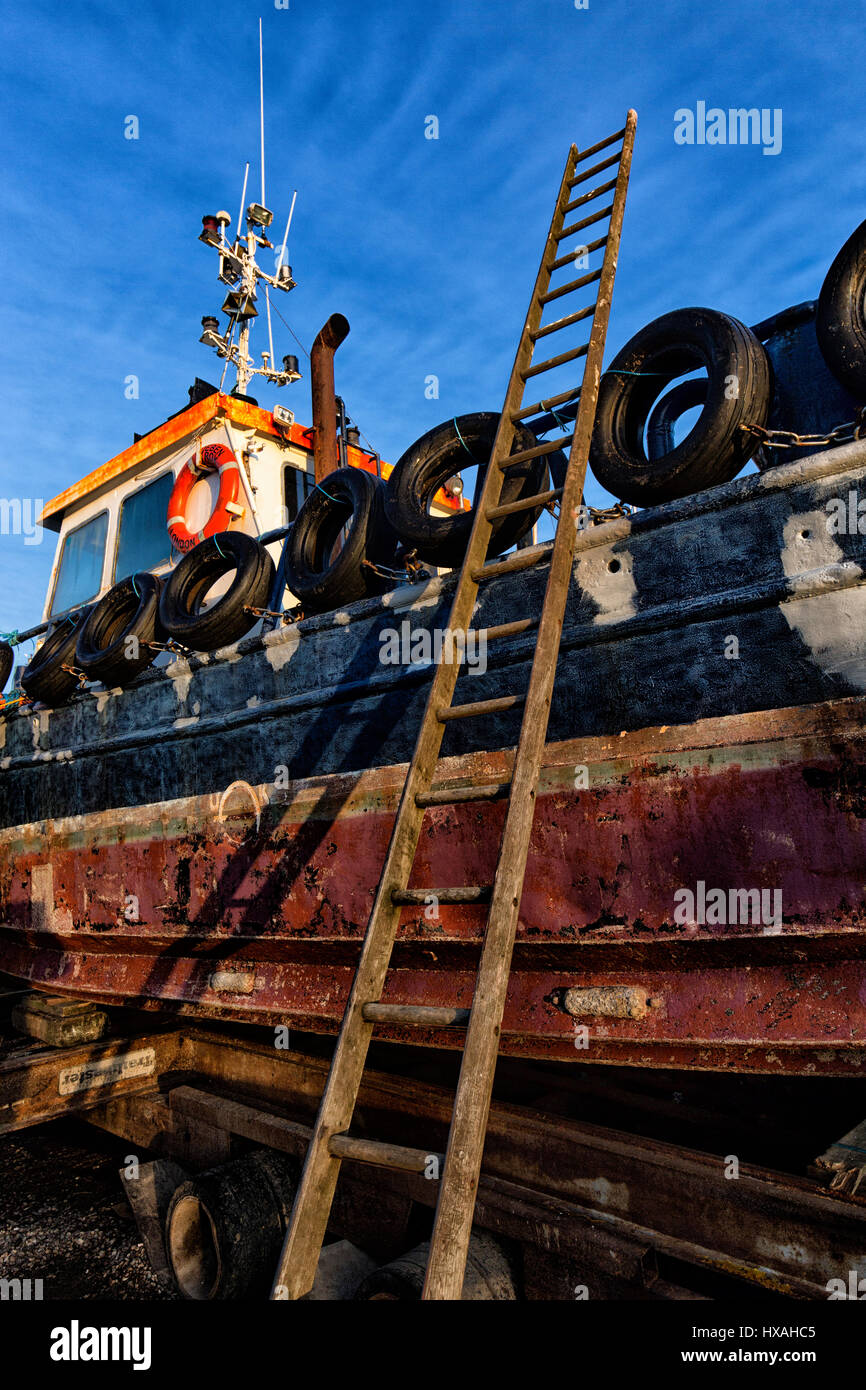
(239, 270)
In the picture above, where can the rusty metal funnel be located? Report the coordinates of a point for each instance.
(328, 339)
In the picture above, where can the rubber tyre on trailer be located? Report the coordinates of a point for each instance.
(436, 457)
(7, 661)
(129, 610)
(227, 620)
(841, 320)
(738, 391)
(355, 499)
(44, 679)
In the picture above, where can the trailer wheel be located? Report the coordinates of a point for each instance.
(488, 1275)
(224, 1229)
(841, 321)
(114, 643)
(322, 578)
(738, 391)
(7, 661)
(228, 619)
(44, 678)
(436, 457)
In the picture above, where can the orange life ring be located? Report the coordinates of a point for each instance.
(214, 458)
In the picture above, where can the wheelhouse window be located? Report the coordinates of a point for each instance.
(297, 487)
(79, 574)
(143, 541)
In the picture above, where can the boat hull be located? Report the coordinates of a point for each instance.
(250, 906)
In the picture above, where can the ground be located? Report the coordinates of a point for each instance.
(64, 1218)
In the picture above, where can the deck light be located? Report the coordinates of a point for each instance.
(257, 216)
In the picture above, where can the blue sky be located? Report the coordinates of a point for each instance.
(429, 247)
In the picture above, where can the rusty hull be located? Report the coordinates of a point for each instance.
(251, 906)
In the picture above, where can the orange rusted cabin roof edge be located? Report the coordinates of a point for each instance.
(184, 423)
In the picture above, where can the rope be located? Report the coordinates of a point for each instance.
(11, 637)
(135, 588)
(341, 502)
(291, 330)
(463, 442)
(217, 544)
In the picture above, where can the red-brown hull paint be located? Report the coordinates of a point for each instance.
(775, 800)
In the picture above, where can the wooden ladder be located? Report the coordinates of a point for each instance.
(331, 1143)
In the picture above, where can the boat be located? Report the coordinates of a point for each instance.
(207, 841)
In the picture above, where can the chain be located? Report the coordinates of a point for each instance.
(788, 439)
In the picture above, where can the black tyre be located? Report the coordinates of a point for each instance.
(44, 678)
(322, 580)
(226, 620)
(738, 391)
(7, 661)
(436, 457)
(114, 644)
(841, 321)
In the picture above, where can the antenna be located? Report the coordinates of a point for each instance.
(288, 225)
(243, 200)
(262, 110)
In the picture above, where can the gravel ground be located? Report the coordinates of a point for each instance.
(64, 1218)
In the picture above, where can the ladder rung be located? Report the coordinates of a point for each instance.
(572, 284)
(539, 406)
(540, 499)
(583, 250)
(562, 323)
(416, 1015)
(444, 796)
(548, 367)
(506, 629)
(382, 1155)
(602, 145)
(588, 197)
(476, 707)
(587, 222)
(549, 446)
(596, 169)
(520, 560)
(419, 897)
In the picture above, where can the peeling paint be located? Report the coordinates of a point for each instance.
(830, 623)
(607, 577)
(280, 646)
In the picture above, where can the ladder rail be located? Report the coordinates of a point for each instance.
(452, 1228)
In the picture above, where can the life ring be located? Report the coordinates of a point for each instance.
(211, 459)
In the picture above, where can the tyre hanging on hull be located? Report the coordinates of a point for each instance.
(115, 643)
(46, 678)
(737, 391)
(319, 575)
(841, 321)
(228, 618)
(433, 459)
